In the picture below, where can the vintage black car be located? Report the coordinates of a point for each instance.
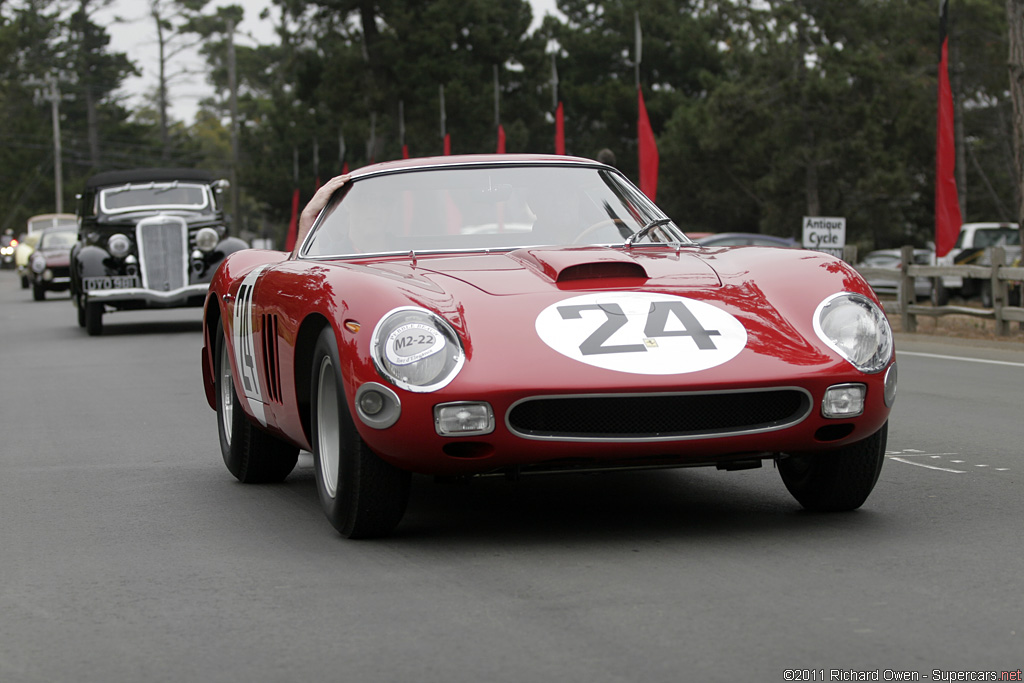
(148, 238)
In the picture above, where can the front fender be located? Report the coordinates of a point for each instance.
(89, 262)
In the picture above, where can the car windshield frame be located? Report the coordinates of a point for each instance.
(483, 208)
(110, 200)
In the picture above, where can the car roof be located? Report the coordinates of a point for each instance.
(454, 161)
(142, 175)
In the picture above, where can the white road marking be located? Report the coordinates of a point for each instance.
(967, 360)
(930, 467)
(902, 456)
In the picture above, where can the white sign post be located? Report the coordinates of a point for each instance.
(825, 234)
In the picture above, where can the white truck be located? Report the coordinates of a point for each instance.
(971, 249)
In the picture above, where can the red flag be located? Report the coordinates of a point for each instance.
(501, 139)
(447, 144)
(647, 151)
(293, 224)
(559, 130)
(947, 202)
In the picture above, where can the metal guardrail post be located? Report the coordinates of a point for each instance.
(998, 285)
(907, 293)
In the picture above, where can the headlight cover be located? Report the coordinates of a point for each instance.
(416, 350)
(119, 245)
(206, 239)
(857, 329)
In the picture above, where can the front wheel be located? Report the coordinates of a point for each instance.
(38, 291)
(835, 481)
(93, 317)
(362, 496)
(252, 455)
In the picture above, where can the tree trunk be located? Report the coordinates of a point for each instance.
(1015, 31)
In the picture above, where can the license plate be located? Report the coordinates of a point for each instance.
(94, 284)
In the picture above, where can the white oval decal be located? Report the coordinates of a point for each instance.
(412, 342)
(642, 333)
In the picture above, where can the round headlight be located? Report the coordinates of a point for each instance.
(416, 349)
(119, 245)
(206, 239)
(38, 263)
(857, 329)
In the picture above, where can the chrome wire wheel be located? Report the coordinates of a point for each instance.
(328, 433)
(227, 390)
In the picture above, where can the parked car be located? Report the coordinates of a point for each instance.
(27, 242)
(971, 249)
(511, 314)
(892, 258)
(734, 239)
(49, 268)
(149, 238)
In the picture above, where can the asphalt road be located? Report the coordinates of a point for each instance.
(128, 553)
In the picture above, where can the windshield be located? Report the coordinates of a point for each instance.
(37, 223)
(167, 195)
(996, 237)
(477, 208)
(62, 239)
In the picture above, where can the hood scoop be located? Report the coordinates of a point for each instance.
(573, 264)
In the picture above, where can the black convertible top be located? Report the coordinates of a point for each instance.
(143, 175)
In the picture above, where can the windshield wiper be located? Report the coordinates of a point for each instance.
(642, 232)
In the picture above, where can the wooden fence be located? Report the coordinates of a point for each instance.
(999, 278)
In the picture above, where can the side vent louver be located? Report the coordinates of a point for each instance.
(271, 364)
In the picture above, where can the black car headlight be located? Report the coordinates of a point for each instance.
(416, 350)
(857, 329)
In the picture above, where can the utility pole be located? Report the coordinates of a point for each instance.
(233, 94)
(49, 90)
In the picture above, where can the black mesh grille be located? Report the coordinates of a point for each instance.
(657, 416)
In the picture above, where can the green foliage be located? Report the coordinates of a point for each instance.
(765, 110)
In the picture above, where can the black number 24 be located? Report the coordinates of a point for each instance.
(657, 319)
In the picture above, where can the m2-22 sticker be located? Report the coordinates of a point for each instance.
(642, 333)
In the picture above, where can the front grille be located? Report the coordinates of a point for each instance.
(163, 252)
(658, 416)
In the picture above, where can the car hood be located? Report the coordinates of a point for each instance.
(767, 296)
(530, 270)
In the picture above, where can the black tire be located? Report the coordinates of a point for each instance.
(836, 481)
(38, 291)
(362, 496)
(250, 454)
(80, 309)
(986, 294)
(93, 318)
(24, 282)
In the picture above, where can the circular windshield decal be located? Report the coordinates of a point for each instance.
(642, 333)
(412, 342)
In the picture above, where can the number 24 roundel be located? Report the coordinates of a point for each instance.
(642, 333)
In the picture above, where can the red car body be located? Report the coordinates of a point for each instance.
(728, 369)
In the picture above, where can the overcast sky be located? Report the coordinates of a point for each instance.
(137, 38)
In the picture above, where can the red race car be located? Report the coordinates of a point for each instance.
(506, 314)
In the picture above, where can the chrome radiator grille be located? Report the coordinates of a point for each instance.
(658, 417)
(163, 253)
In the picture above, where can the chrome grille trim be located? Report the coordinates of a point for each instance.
(589, 406)
(163, 252)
